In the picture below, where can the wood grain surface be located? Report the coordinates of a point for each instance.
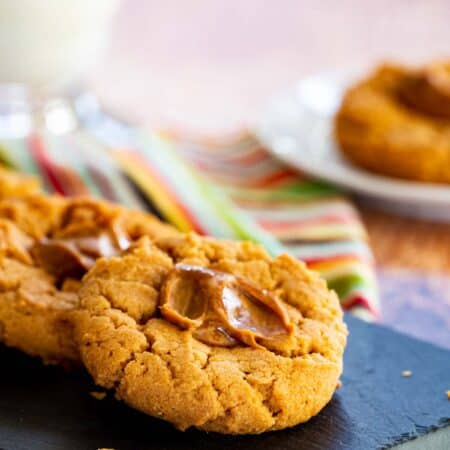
(211, 66)
(408, 243)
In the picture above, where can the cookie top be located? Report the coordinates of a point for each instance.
(385, 124)
(32, 304)
(15, 184)
(427, 89)
(47, 243)
(211, 333)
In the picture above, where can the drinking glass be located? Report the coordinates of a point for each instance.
(46, 49)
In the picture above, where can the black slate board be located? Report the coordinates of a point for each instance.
(45, 408)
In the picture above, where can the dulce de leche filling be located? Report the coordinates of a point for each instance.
(428, 90)
(222, 309)
(73, 256)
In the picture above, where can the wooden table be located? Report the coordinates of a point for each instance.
(210, 66)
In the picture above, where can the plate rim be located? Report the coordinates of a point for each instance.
(374, 185)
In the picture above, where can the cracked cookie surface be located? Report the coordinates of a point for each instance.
(16, 184)
(47, 243)
(159, 365)
(397, 123)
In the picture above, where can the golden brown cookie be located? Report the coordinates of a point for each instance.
(32, 304)
(15, 184)
(212, 334)
(380, 129)
(46, 246)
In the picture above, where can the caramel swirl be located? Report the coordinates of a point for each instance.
(222, 309)
(73, 256)
(428, 90)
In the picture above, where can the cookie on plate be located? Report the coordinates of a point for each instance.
(212, 334)
(46, 246)
(385, 124)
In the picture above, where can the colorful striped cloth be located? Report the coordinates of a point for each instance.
(231, 188)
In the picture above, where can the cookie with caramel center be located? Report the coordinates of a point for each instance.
(47, 244)
(212, 334)
(396, 122)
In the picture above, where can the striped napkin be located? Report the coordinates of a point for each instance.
(230, 188)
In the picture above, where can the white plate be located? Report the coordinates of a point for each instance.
(297, 127)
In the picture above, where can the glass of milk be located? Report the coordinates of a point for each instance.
(46, 48)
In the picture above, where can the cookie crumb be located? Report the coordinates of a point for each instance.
(448, 394)
(406, 373)
(338, 384)
(98, 396)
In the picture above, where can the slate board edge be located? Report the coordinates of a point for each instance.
(420, 430)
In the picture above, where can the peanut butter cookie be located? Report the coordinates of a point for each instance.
(46, 246)
(212, 334)
(15, 184)
(397, 123)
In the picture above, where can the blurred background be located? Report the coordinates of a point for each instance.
(210, 65)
